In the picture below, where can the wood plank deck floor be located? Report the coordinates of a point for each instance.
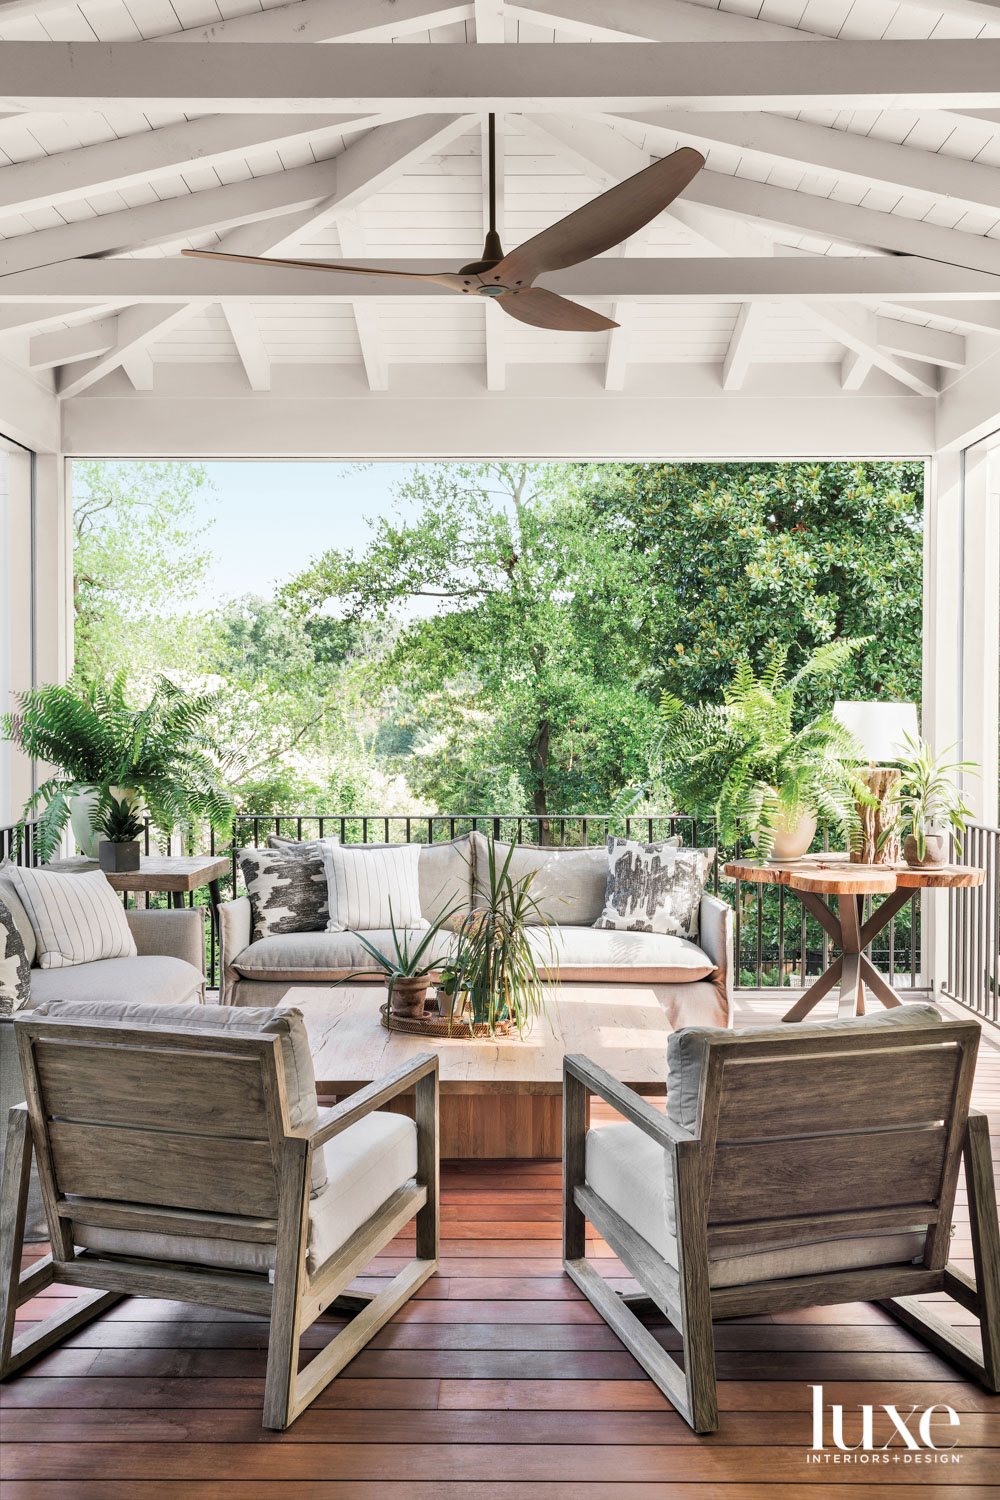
(497, 1382)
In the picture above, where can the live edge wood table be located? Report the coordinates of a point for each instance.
(499, 1098)
(833, 876)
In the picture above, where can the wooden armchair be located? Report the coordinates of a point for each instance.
(182, 1155)
(794, 1167)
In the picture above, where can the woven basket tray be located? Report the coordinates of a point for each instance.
(431, 1024)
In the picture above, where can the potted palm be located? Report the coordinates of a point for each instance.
(746, 763)
(159, 757)
(930, 804)
(494, 974)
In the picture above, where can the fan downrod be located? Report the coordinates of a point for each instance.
(492, 248)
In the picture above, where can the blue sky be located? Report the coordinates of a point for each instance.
(270, 519)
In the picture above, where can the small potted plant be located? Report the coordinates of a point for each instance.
(930, 804)
(121, 825)
(406, 965)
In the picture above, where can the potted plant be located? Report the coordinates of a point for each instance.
(746, 763)
(930, 804)
(104, 750)
(494, 974)
(121, 826)
(405, 965)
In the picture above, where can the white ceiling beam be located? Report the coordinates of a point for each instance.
(973, 317)
(619, 345)
(641, 278)
(985, 12)
(354, 243)
(304, 21)
(860, 159)
(489, 20)
(494, 318)
(844, 223)
(217, 78)
(857, 330)
(18, 318)
(655, 21)
(138, 366)
(64, 345)
(249, 345)
(928, 345)
(855, 369)
(739, 355)
(137, 328)
(49, 181)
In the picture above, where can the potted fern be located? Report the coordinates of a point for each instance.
(159, 757)
(746, 763)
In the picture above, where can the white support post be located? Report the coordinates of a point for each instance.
(980, 644)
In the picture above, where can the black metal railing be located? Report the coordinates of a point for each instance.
(777, 942)
(974, 927)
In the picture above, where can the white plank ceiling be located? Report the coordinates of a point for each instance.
(131, 173)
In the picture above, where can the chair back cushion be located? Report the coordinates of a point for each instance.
(76, 919)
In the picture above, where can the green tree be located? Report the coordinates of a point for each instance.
(521, 633)
(746, 557)
(139, 559)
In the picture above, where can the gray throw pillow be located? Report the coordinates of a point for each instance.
(287, 890)
(654, 887)
(15, 970)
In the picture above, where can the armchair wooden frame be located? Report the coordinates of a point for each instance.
(867, 1134)
(234, 1168)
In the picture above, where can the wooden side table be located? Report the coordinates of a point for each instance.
(833, 876)
(175, 874)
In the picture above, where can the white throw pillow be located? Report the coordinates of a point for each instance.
(372, 888)
(76, 919)
(655, 887)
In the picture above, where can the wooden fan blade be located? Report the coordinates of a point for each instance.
(545, 310)
(450, 279)
(604, 222)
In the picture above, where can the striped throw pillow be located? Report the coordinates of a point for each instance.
(368, 888)
(76, 919)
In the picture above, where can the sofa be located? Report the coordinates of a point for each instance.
(569, 884)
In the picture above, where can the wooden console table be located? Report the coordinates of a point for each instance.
(833, 876)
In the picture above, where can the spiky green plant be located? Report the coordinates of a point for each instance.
(744, 762)
(926, 794)
(121, 824)
(96, 740)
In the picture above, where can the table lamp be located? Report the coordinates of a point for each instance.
(881, 731)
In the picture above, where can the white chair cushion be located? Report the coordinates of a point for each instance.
(626, 1168)
(595, 953)
(319, 956)
(364, 1166)
(150, 979)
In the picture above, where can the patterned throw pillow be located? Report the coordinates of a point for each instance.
(287, 890)
(15, 971)
(654, 887)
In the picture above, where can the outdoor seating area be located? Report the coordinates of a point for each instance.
(499, 750)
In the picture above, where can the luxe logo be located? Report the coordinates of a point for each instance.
(920, 1434)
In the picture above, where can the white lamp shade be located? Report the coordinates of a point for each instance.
(879, 728)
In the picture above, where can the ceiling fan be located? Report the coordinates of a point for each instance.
(509, 279)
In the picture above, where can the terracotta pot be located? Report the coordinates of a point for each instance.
(408, 996)
(936, 852)
(792, 840)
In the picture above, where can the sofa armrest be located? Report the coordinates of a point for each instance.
(235, 933)
(716, 920)
(178, 933)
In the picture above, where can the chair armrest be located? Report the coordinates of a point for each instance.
(715, 936)
(350, 1110)
(628, 1103)
(235, 928)
(178, 933)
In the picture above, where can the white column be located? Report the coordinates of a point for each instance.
(980, 674)
(16, 649)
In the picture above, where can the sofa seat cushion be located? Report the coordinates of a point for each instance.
(594, 953)
(152, 980)
(632, 1174)
(325, 956)
(364, 1165)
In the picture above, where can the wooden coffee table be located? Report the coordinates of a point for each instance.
(502, 1098)
(832, 876)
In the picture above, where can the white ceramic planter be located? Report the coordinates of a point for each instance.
(791, 841)
(80, 810)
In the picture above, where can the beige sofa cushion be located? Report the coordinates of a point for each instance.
(363, 1166)
(569, 884)
(153, 980)
(594, 953)
(625, 1168)
(315, 957)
